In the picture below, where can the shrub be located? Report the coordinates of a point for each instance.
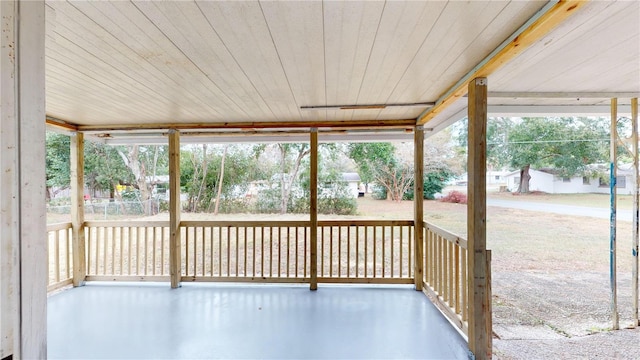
(379, 192)
(455, 197)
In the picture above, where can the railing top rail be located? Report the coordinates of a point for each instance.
(354, 222)
(59, 226)
(126, 223)
(246, 223)
(449, 236)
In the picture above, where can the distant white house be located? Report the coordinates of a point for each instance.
(548, 180)
(351, 178)
(494, 177)
(353, 181)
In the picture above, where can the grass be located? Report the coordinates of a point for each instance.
(624, 202)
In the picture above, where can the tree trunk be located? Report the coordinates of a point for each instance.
(523, 188)
(132, 161)
(220, 180)
(283, 184)
(205, 167)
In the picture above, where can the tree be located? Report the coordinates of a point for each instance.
(224, 181)
(104, 169)
(380, 162)
(498, 129)
(290, 173)
(566, 144)
(369, 157)
(57, 162)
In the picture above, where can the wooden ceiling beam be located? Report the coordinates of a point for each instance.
(535, 28)
(60, 125)
(343, 124)
(561, 95)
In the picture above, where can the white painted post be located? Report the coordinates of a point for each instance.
(636, 212)
(23, 240)
(613, 171)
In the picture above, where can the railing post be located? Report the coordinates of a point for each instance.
(77, 208)
(175, 268)
(418, 204)
(480, 340)
(313, 209)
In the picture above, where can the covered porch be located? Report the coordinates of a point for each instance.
(179, 72)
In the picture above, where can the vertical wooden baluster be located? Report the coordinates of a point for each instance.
(113, 251)
(384, 250)
(322, 251)
(262, 252)
(228, 250)
(331, 251)
(456, 280)
(244, 269)
(279, 251)
(366, 250)
(288, 263)
(349, 251)
(375, 246)
(187, 237)
(297, 271)
(357, 229)
(436, 264)
(120, 242)
(162, 262)
(339, 251)
(271, 251)
(154, 247)
(57, 255)
(67, 252)
(255, 245)
(219, 251)
(400, 268)
(199, 233)
(465, 280)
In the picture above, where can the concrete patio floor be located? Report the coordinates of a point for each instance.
(228, 321)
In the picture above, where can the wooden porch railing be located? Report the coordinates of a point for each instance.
(261, 251)
(59, 253)
(349, 251)
(446, 276)
(127, 250)
(365, 251)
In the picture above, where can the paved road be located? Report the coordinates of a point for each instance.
(603, 213)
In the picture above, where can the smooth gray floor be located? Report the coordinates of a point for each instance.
(248, 322)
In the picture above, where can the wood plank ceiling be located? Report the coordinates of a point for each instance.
(128, 63)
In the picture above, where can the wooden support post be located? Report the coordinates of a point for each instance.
(418, 204)
(313, 209)
(636, 212)
(613, 170)
(23, 240)
(480, 332)
(77, 208)
(175, 268)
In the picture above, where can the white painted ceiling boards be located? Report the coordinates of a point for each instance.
(116, 65)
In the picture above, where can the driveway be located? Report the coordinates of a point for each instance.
(603, 213)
